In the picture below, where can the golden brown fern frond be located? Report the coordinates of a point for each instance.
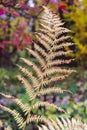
(43, 43)
(40, 50)
(34, 66)
(38, 57)
(50, 90)
(50, 48)
(23, 107)
(28, 87)
(66, 124)
(60, 62)
(19, 119)
(33, 79)
(41, 119)
(57, 70)
(46, 104)
(56, 47)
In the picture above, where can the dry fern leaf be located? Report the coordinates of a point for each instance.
(40, 50)
(62, 45)
(50, 90)
(19, 119)
(33, 79)
(46, 104)
(50, 46)
(66, 124)
(22, 106)
(43, 43)
(28, 87)
(59, 62)
(38, 57)
(41, 119)
(34, 66)
(57, 70)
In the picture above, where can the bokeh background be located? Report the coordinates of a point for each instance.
(19, 19)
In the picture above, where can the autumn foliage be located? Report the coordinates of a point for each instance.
(17, 22)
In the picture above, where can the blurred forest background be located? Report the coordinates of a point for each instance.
(18, 22)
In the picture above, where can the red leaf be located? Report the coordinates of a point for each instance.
(15, 39)
(14, 13)
(27, 39)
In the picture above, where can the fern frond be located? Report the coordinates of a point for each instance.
(33, 65)
(50, 90)
(43, 127)
(47, 105)
(43, 43)
(56, 25)
(37, 119)
(15, 114)
(7, 96)
(46, 39)
(58, 70)
(55, 125)
(24, 107)
(72, 124)
(59, 53)
(46, 27)
(38, 57)
(61, 39)
(41, 119)
(30, 75)
(59, 62)
(51, 44)
(28, 87)
(39, 49)
(47, 33)
(61, 30)
(55, 78)
(62, 45)
(66, 124)
(44, 20)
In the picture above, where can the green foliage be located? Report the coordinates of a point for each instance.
(76, 103)
(8, 80)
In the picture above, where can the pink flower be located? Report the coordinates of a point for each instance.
(2, 11)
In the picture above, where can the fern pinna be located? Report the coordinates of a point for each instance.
(40, 80)
(66, 124)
